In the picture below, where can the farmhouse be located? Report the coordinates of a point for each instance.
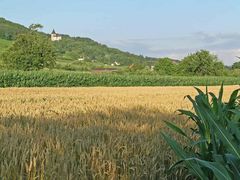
(55, 36)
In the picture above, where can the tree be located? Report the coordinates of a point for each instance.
(201, 63)
(35, 27)
(30, 51)
(165, 66)
(236, 65)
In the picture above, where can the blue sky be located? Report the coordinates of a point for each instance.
(155, 28)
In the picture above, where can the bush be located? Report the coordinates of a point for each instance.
(234, 72)
(213, 151)
(236, 65)
(30, 51)
(165, 66)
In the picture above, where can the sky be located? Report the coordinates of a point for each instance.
(155, 28)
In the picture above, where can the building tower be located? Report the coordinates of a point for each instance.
(55, 36)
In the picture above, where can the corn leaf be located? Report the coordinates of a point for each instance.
(224, 135)
(218, 169)
(196, 169)
(175, 128)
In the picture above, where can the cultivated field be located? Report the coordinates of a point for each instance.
(54, 78)
(88, 133)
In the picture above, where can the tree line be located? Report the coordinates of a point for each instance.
(200, 63)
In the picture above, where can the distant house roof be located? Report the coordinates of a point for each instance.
(53, 32)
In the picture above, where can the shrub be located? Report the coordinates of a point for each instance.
(234, 72)
(165, 66)
(30, 51)
(236, 65)
(213, 151)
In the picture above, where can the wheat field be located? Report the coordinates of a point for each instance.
(89, 133)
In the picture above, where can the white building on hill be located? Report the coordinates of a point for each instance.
(55, 36)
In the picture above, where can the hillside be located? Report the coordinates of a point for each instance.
(9, 30)
(71, 50)
(4, 44)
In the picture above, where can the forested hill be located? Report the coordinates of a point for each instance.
(75, 48)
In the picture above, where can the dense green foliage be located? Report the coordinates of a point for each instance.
(30, 52)
(165, 66)
(4, 44)
(72, 79)
(35, 27)
(213, 151)
(201, 63)
(236, 65)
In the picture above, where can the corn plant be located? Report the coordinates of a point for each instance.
(213, 148)
(80, 79)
